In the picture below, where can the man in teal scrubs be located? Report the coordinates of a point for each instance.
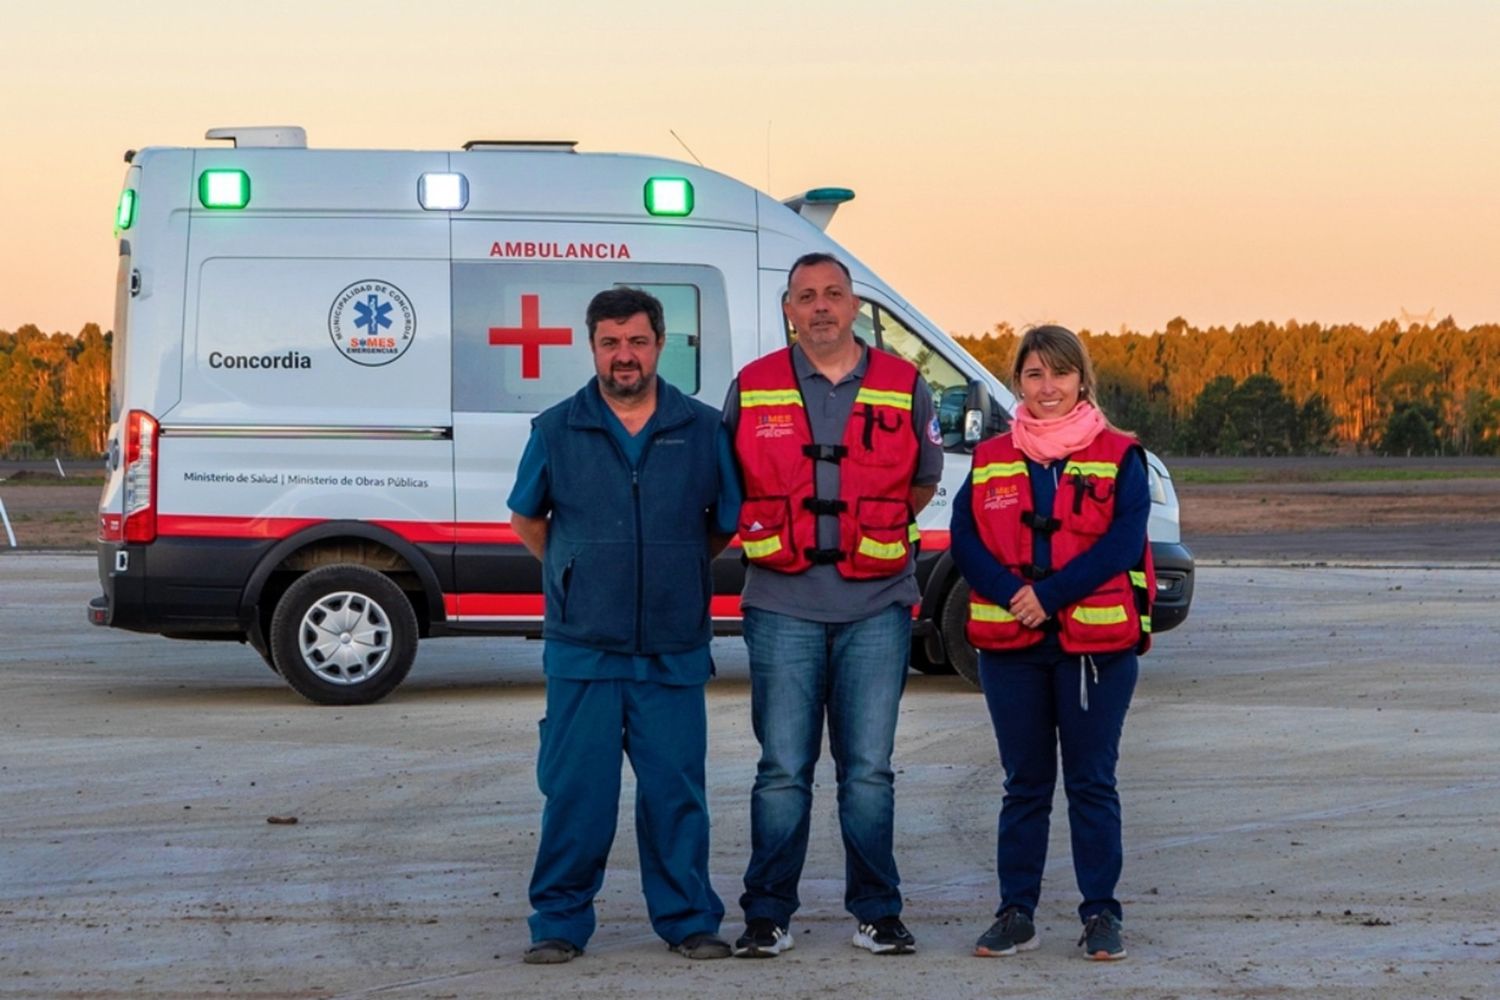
(625, 491)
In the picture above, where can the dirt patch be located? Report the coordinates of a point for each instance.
(51, 516)
(1439, 520)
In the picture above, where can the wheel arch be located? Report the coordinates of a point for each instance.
(314, 543)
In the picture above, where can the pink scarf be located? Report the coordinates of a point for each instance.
(1046, 441)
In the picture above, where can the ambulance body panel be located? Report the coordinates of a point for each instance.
(323, 388)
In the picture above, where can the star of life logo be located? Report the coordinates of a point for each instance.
(372, 322)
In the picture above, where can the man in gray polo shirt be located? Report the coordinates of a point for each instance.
(840, 448)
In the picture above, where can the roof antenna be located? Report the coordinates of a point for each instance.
(685, 146)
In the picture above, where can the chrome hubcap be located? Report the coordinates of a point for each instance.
(345, 638)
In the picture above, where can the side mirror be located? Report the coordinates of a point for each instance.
(977, 411)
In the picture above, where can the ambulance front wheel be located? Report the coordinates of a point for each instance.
(344, 635)
(953, 623)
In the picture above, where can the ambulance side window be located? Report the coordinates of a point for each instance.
(679, 359)
(520, 343)
(864, 324)
(948, 384)
(876, 325)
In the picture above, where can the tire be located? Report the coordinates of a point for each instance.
(269, 661)
(922, 663)
(371, 652)
(963, 657)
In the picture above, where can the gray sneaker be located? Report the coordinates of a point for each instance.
(552, 951)
(1101, 938)
(1013, 932)
(703, 945)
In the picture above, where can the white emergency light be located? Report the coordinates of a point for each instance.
(443, 192)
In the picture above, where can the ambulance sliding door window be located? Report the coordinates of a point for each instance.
(679, 359)
(520, 343)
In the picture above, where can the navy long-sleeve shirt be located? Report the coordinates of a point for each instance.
(1116, 551)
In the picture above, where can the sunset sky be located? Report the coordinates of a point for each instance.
(1089, 163)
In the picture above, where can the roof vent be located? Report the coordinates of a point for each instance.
(520, 146)
(259, 136)
(818, 205)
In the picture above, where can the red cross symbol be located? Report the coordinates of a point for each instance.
(531, 336)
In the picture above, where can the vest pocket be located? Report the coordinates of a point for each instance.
(766, 532)
(878, 540)
(994, 627)
(1105, 621)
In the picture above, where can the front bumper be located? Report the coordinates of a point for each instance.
(1174, 585)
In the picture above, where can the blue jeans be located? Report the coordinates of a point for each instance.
(590, 726)
(854, 673)
(1036, 707)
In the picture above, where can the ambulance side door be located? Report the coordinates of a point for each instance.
(520, 345)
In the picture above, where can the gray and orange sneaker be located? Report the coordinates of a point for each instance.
(1013, 932)
(1101, 939)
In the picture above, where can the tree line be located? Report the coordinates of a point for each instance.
(54, 392)
(1258, 389)
(1294, 388)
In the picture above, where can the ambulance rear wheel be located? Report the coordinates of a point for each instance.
(953, 623)
(344, 635)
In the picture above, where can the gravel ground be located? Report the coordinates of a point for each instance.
(1307, 771)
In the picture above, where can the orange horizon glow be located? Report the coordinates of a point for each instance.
(1089, 163)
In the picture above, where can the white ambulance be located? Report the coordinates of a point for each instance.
(326, 363)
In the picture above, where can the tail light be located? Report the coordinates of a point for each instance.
(140, 476)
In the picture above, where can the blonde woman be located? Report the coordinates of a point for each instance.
(1050, 534)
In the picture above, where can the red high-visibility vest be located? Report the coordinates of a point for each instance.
(877, 460)
(1114, 618)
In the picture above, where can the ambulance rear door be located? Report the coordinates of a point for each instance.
(317, 360)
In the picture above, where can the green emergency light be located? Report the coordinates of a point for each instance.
(669, 196)
(224, 188)
(125, 210)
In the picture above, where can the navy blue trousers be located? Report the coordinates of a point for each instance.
(590, 726)
(1036, 706)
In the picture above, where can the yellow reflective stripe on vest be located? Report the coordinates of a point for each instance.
(913, 533)
(1138, 578)
(982, 611)
(997, 470)
(1103, 470)
(884, 397)
(762, 548)
(1146, 623)
(769, 397)
(1100, 616)
(881, 550)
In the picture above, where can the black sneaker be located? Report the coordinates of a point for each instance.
(1101, 938)
(763, 939)
(1013, 932)
(553, 951)
(703, 945)
(886, 936)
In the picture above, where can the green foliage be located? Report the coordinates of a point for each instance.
(1410, 430)
(1343, 384)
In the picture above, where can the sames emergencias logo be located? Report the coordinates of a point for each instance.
(372, 322)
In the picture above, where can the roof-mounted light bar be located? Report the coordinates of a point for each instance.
(671, 196)
(443, 192)
(224, 188)
(125, 210)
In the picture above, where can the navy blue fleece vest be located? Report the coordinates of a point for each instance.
(626, 564)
